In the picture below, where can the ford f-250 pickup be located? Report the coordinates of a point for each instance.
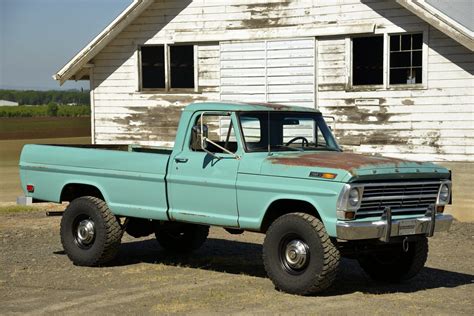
(265, 168)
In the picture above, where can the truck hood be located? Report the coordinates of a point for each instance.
(348, 166)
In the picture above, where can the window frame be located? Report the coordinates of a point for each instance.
(386, 63)
(168, 88)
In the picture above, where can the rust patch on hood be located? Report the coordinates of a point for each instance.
(336, 160)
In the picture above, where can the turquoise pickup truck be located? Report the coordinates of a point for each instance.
(265, 168)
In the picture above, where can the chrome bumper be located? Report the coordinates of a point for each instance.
(386, 227)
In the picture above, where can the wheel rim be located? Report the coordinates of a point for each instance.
(84, 232)
(294, 254)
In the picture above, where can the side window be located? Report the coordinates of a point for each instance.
(367, 60)
(406, 58)
(220, 130)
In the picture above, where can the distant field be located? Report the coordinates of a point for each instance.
(44, 127)
(16, 132)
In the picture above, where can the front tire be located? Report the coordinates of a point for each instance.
(395, 265)
(299, 256)
(183, 238)
(90, 233)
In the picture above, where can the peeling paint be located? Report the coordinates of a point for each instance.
(158, 123)
(408, 102)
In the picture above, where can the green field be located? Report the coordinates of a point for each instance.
(16, 132)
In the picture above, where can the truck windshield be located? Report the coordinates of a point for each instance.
(286, 131)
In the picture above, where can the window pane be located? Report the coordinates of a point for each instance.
(400, 76)
(153, 66)
(394, 43)
(182, 66)
(367, 60)
(406, 42)
(400, 59)
(417, 41)
(251, 129)
(416, 61)
(220, 131)
(417, 73)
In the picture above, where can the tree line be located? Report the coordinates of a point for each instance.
(33, 97)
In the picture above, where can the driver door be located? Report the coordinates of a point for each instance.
(202, 185)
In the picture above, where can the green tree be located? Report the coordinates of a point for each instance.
(52, 109)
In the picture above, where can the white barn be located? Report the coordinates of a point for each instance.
(397, 76)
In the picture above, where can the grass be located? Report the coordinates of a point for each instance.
(9, 209)
(44, 127)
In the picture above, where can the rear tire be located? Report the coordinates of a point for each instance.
(182, 239)
(90, 233)
(396, 265)
(299, 256)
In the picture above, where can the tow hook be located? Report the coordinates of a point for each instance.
(405, 244)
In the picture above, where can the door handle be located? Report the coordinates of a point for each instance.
(181, 160)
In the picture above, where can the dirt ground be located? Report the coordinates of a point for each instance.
(225, 276)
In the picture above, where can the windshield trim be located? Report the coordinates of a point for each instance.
(244, 142)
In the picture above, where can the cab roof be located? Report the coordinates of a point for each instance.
(245, 107)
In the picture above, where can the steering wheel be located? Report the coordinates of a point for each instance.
(294, 139)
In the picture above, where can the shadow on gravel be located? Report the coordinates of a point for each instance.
(245, 258)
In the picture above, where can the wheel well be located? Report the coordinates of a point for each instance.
(285, 206)
(75, 190)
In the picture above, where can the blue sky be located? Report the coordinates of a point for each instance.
(37, 37)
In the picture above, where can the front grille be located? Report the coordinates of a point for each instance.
(403, 198)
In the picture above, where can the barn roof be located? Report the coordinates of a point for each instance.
(77, 67)
(453, 18)
(78, 62)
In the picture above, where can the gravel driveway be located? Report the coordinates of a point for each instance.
(225, 276)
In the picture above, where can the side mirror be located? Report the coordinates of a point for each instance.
(198, 137)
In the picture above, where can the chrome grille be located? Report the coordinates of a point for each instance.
(402, 198)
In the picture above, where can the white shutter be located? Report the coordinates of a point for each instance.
(278, 71)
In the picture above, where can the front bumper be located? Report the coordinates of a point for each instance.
(386, 228)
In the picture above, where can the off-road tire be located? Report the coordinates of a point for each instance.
(322, 262)
(396, 265)
(185, 238)
(108, 232)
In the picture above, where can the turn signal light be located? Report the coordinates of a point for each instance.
(324, 175)
(30, 188)
(440, 209)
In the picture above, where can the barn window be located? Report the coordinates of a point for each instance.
(182, 66)
(406, 58)
(153, 67)
(367, 62)
(167, 67)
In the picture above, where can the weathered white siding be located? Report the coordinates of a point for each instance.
(435, 122)
(432, 123)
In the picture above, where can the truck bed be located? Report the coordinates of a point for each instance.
(130, 178)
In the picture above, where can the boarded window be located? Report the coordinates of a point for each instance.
(153, 67)
(180, 62)
(367, 60)
(182, 66)
(406, 58)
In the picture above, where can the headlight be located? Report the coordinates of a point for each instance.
(349, 201)
(354, 197)
(444, 193)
